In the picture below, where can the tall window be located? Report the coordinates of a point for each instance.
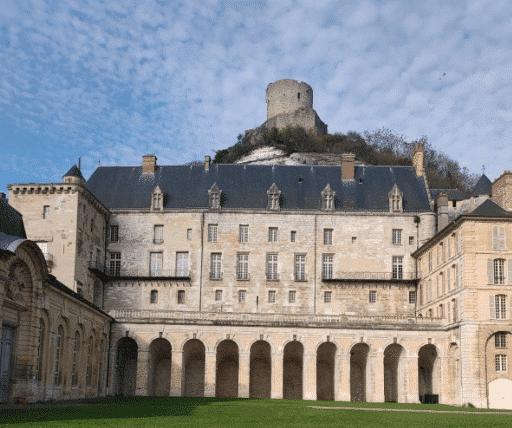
(59, 346)
(292, 294)
(328, 198)
(412, 296)
(498, 238)
(397, 267)
(501, 363)
(181, 296)
(212, 233)
(500, 305)
(40, 351)
(440, 311)
(216, 266)
(273, 197)
(88, 373)
(76, 350)
(272, 296)
(153, 296)
(113, 233)
(372, 296)
(46, 211)
(115, 264)
(272, 234)
(442, 283)
(327, 296)
(327, 262)
(454, 274)
(155, 264)
(430, 261)
(300, 267)
(327, 236)
(441, 249)
(397, 236)
(218, 295)
(272, 267)
(214, 197)
(244, 233)
(293, 236)
(455, 309)
(499, 271)
(159, 234)
(157, 199)
(241, 296)
(242, 268)
(500, 340)
(182, 264)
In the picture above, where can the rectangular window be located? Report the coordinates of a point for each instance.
(397, 267)
(182, 264)
(155, 264)
(500, 340)
(114, 233)
(242, 268)
(327, 262)
(498, 238)
(442, 283)
(216, 266)
(327, 236)
(412, 296)
(300, 267)
(372, 296)
(272, 234)
(46, 211)
(327, 296)
(181, 296)
(411, 240)
(293, 236)
(272, 267)
(115, 264)
(397, 236)
(499, 271)
(430, 261)
(241, 296)
(212, 233)
(189, 234)
(291, 296)
(272, 296)
(244, 233)
(500, 305)
(441, 249)
(218, 295)
(159, 235)
(501, 363)
(153, 296)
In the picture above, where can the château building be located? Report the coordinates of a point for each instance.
(329, 282)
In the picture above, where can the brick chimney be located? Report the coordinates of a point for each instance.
(148, 164)
(207, 161)
(417, 159)
(348, 161)
(502, 190)
(442, 211)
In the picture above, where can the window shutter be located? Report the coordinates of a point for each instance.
(492, 307)
(501, 237)
(495, 238)
(448, 279)
(490, 271)
(459, 275)
(510, 307)
(510, 272)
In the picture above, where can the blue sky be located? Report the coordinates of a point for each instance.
(113, 80)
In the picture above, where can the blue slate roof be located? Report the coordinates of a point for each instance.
(74, 172)
(9, 243)
(489, 208)
(11, 221)
(453, 194)
(245, 186)
(482, 187)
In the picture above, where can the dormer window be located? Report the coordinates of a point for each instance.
(214, 197)
(273, 198)
(328, 198)
(157, 199)
(395, 200)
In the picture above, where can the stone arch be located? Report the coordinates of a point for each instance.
(226, 379)
(293, 361)
(429, 370)
(159, 370)
(260, 369)
(394, 373)
(127, 350)
(325, 366)
(169, 339)
(358, 371)
(231, 338)
(265, 338)
(194, 368)
(438, 349)
(495, 395)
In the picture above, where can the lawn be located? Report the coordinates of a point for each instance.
(216, 412)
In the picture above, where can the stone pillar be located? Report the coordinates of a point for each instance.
(344, 394)
(412, 395)
(176, 373)
(338, 376)
(141, 387)
(210, 373)
(377, 395)
(444, 385)
(309, 377)
(243, 375)
(276, 389)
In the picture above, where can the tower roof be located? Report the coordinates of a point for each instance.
(489, 209)
(482, 187)
(74, 172)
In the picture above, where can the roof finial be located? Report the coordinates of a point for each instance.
(483, 169)
(80, 163)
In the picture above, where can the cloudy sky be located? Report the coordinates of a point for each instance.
(113, 80)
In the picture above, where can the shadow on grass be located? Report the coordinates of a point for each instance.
(111, 408)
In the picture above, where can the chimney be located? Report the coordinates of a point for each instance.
(2, 195)
(502, 190)
(417, 159)
(442, 211)
(148, 164)
(207, 161)
(348, 161)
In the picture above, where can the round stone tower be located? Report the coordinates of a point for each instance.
(286, 96)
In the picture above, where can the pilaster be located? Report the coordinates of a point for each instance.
(276, 390)
(209, 375)
(243, 375)
(344, 390)
(309, 377)
(377, 364)
(412, 379)
(142, 373)
(176, 373)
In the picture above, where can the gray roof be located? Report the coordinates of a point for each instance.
(74, 172)
(11, 221)
(453, 194)
(489, 208)
(246, 186)
(9, 243)
(482, 187)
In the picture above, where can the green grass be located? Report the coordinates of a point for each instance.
(216, 412)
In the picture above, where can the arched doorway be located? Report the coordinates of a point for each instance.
(325, 371)
(394, 374)
(428, 371)
(292, 370)
(358, 362)
(193, 363)
(160, 361)
(226, 380)
(260, 370)
(126, 366)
